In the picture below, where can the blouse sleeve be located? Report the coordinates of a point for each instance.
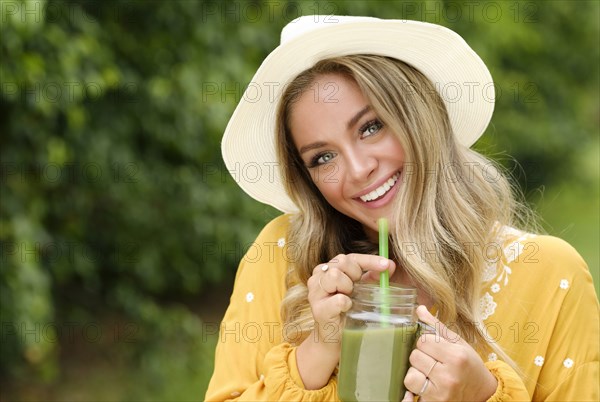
(510, 384)
(253, 360)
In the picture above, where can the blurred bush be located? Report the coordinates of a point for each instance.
(113, 190)
(114, 196)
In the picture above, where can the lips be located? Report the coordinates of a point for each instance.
(381, 190)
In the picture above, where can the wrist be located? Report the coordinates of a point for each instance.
(316, 359)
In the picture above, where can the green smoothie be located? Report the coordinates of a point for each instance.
(374, 361)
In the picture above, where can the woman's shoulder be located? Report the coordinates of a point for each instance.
(265, 261)
(521, 264)
(520, 252)
(276, 229)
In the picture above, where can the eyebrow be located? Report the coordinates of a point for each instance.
(314, 145)
(357, 116)
(351, 122)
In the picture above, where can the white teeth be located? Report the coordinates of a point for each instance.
(381, 190)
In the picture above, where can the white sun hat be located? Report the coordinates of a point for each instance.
(456, 71)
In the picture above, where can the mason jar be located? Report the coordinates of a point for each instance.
(378, 336)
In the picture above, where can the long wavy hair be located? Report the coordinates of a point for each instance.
(445, 213)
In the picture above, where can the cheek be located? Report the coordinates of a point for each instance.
(391, 146)
(328, 184)
(397, 149)
(327, 177)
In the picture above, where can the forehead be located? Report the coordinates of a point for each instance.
(330, 88)
(325, 107)
(329, 95)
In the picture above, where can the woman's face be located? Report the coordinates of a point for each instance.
(354, 160)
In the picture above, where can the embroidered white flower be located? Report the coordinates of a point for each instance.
(506, 271)
(568, 363)
(513, 251)
(538, 361)
(281, 242)
(499, 258)
(492, 357)
(490, 271)
(249, 297)
(564, 284)
(235, 394)
(487, 305)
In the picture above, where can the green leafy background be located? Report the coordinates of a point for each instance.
(121, 228)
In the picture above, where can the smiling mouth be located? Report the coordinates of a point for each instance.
(381, 190)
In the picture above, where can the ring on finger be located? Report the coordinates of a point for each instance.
(431, 368)
(425, 385)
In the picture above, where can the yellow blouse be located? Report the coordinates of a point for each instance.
(539, 305)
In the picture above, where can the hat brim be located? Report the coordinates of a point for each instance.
(457, 72)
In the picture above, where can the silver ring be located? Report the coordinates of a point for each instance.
(425, 385)
(431, 368)
(324, 267)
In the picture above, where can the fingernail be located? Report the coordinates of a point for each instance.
(406, 397)
(384, 262)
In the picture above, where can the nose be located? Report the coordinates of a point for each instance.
(360, 164)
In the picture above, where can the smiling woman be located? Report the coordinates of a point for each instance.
(364, 162)
(361, 131)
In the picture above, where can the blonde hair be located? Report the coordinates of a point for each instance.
(450, 202)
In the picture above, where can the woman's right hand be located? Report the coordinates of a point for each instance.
(330, 287)
(329, 290)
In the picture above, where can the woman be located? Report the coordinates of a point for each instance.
(373, 118)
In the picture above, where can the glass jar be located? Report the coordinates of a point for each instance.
(378, 336)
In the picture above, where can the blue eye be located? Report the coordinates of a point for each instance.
(321, 159)
(370, 128)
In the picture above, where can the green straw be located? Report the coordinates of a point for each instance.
(384, 277)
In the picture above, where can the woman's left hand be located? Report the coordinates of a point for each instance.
(444, 367)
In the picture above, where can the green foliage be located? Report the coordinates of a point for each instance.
(114, 195)
(113, 191)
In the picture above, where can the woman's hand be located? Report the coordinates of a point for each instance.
(329, 290)
(444, 367)
(330, 286)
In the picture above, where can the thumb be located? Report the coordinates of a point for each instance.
(425, 316)
(440, 329)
